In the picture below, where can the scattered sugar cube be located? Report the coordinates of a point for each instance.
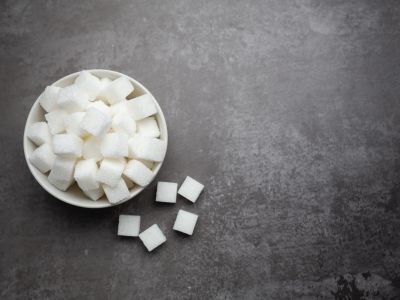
(148, 127)
(185, 222)
(110, 171)
(48, 99)
(114, 145)
(147, 148)
(88, 83)
(95, 194)
(129, 225)
(142, 107)
(117, 193)
(72, 124)
(152, 237)
(61, 175)
(42, 158)
(55, 121)
(39, 133)
(138, 173)
(72, 99)
(67, 145)
(190, 189)
(129, 183)
(118, 90)
(104, 82)
(166, 192)
(91, 148)
(123, 122)
(95, 122)
(85, 174)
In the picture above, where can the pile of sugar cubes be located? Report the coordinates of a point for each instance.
(94, 135)
(185, 221)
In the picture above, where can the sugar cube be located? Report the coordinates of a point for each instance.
(42, 158)
(88, 83)
(123, 122)
(138, 173)
(119, 107)
(185, 222)
(55, 121)
(101, 106)
(95, 194)
(118, 90)
(95, 122)
(190, 189)
(61, 174)
(128, 225)
(116, 193)
(152, 237)
(166, 192)
(104, 82)
(48, 99)
(85, 174)
(142, 107)
(110, 171)
(72, 124)
(114, 145)
(72, 99)
(39, 133)
(91, 148)
(148, 127)
(147, 148)
(67, 144)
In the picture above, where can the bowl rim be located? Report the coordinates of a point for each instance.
(58, 194)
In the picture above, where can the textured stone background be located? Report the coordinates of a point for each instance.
(288, 112)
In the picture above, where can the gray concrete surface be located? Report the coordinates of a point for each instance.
(287, 111)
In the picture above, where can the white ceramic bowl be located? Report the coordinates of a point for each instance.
(74, 195)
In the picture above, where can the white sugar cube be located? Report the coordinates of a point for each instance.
(72, 99)
(152, 237)
(67, 145)
(128, 225)
(95, 122)
(55, 121)
(148, 127)
(117, 193)
(190, 189)
(85, 174)
(142, 107)
(72, 124)
(119, 107)
(166, 192)
(91, 148)
(95, 194)
(123, 122)
(147, 148)
(39, 133)
(101, 106)
(88, 83)
(138, 173)
(48, 99)
(185, 222)
(61, 174)
(114, 145)
(42, 158)
(104, 82)
(110, 171)
(118, 90)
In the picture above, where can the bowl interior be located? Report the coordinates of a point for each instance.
(74, 195)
